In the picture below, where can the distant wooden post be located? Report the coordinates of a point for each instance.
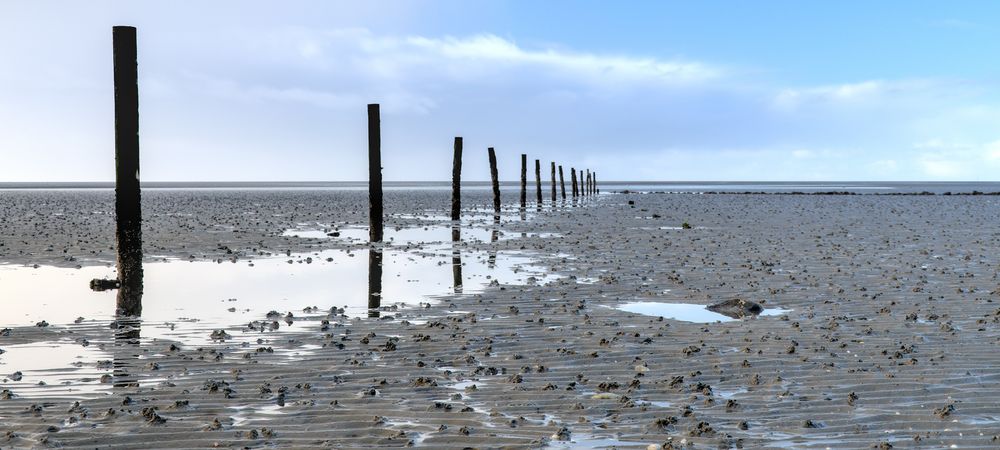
(562, 183)
(553, 182)
(496, 185)
(538, 181)
(587, 187)
(596, 190)
(524, 180)
(128, 202)
(456, 182)
(572, 174)
(374, 173)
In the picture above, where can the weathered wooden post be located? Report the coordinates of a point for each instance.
(374, 174)
(562, 183)
(524, 180)
(538, 181)
(128, 203)
(596, 190)
(496, 185)
(456, 182)
(587, 187)
(553, 182)
(572, 175)
(374, 281)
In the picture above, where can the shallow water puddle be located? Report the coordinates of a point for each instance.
(244, 414)
(224, 294)
(66, 369)
(687, 312)
(412, 236)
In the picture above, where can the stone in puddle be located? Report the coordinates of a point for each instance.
(737, 308)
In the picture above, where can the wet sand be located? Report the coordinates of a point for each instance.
(889, 337)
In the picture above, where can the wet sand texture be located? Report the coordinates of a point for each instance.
(891, 338)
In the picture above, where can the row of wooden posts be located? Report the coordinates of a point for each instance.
(585, 188)
(128, 232)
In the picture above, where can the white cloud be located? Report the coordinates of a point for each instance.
(869, 92)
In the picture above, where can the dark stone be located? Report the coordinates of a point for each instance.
(98, 284)
(737, 308)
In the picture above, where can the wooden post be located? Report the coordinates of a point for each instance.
(562, 183)
(496, 185)
(456, 182)
(587, 187)
(524, 180)
(596, 190)
(128, 202)
(374, 281)
(553, 182)
(572, 174)
(374, 174)
(538, 181)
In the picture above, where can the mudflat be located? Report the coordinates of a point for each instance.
(880, 327)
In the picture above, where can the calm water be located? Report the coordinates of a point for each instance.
(865, 187)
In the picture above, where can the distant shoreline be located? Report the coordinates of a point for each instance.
(704, 187)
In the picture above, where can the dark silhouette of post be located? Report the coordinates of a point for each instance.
(538, 181)
(562, 183)
(456, 181)
(553, 182)
(374, 174)
(496, 184)
(374, 281)
(524, 180)
(128, 203)
(572, 175)
(596, 190)
(587, 187)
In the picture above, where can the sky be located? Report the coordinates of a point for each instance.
(636, 90)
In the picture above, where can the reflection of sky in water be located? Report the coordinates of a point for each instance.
(407, 236)
(180, 291)
(67, 368)
(185, 300)
(686, 312)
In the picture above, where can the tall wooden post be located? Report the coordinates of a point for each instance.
(456, 182)
(496, 185)
(562, 183)
(374, 173)
(553, 182)
(538, 181)
(587, 188)
(596, 190)
(524, 180)
(128, 202)
(572, 174)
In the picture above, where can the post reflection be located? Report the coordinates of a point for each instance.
(374, 281)
(125, 352)
(491, 255)
(456, 259)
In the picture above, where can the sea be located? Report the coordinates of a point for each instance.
(863, 187)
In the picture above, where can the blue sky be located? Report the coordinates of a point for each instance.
(707, 90)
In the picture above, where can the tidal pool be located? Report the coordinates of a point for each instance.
(687, 312)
